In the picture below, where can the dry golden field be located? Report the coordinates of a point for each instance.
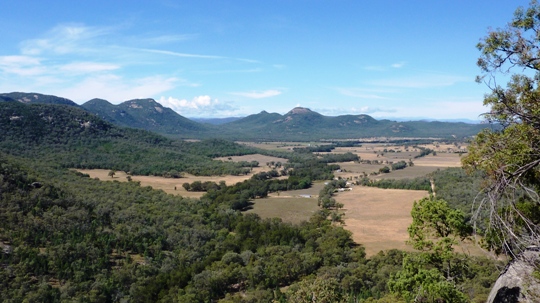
(422, 166)
(168, 184)
(378, 218)
(292, 206)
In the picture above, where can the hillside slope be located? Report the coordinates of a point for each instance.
(145, 114)
(73, 137)
(30, 98)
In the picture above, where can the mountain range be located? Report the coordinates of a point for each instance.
(298, 124)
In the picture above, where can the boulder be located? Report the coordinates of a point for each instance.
(520, 280)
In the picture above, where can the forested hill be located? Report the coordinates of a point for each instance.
(300, 124)
(73, 137)
(146, 114)
(37, 98)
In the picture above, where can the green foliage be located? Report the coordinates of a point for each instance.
(436, 273)
(419, 284)
(434, 219)
(324, 290)
(420, 183)
(424, 151)
(510, 156)
(134, 242)
(325, 199)
(384, 170)
(399, 165)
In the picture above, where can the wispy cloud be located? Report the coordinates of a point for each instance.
(21, 65)
(188, 55)
(398, 65)
(88, 67)
(382, 68)
(64, 39)
(177, 54)
(258, 94)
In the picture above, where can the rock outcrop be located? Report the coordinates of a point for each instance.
(520, 280)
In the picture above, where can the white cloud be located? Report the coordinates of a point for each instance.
(88, 67)
(258, 94)
(18, 60)
(21, 65)
(380, 68)
(199, 106)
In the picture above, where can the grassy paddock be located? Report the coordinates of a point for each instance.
(290, 206)
(262, 159)
(378, 218)
(289, 209)
(168, 184)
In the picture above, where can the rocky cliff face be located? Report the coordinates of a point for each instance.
(520, 281)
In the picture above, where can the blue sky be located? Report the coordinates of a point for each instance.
(394, 59)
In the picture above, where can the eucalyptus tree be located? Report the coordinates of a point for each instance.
(510, 154)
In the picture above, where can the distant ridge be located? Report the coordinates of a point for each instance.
(215, 121)
(304, 124)
(299, 123)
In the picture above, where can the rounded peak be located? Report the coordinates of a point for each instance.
(147, 100)
(299, 111)
(97, 101)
